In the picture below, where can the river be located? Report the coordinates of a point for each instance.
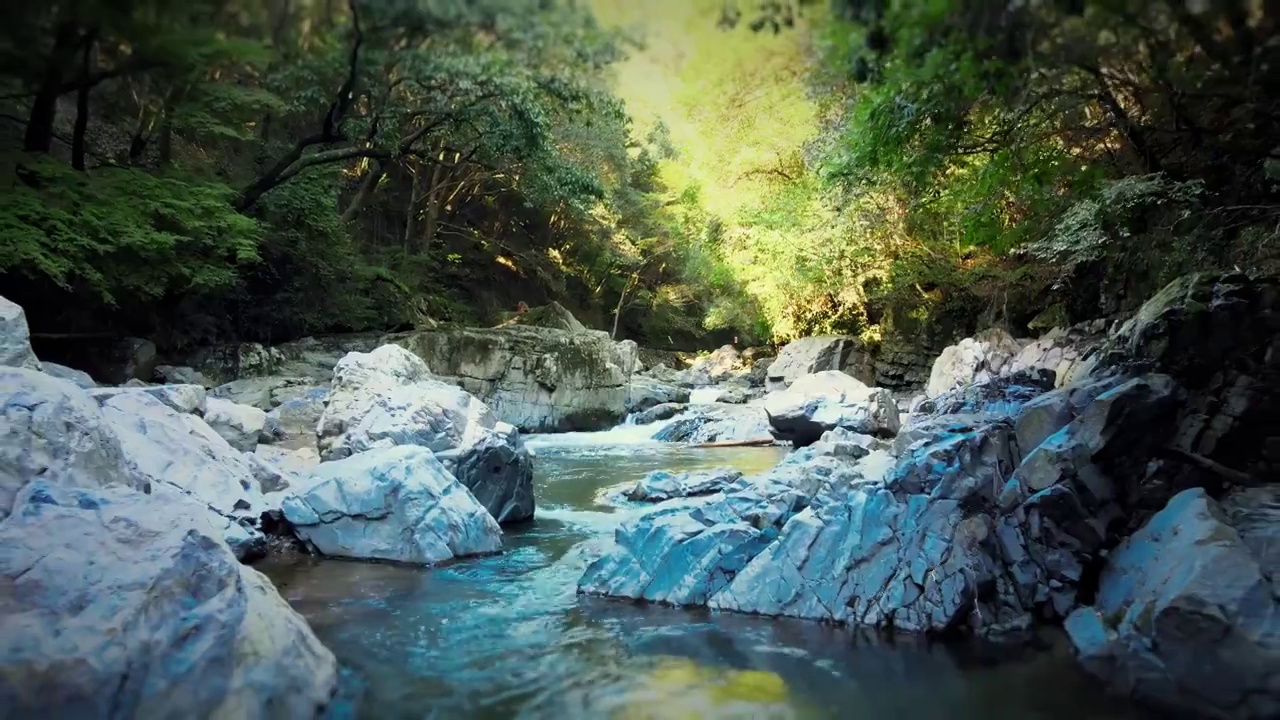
(508, 637)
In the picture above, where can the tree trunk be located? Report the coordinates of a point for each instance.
(411, 213)
(44, 107)
(367, 188)
(82, 107)
(632, 282)
(433, 207)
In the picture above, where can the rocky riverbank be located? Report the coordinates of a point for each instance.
(1121, 483)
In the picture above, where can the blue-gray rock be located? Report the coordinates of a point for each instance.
(661, 485)
(498, 470)
(79, 378)
(702, 424)
(1187, 614)
(15, 338)
(828, 400)
(300, 414)
(240, 425)
(387, 398)
(666, 411)
(120, 604)
(644, 393)
(397, 504)
(51, 430)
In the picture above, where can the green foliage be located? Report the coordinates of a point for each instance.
(123, 235)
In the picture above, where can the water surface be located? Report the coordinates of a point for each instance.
(507, 636)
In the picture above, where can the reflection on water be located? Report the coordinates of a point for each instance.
(507, 636)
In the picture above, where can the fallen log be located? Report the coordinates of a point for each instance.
(759, 442)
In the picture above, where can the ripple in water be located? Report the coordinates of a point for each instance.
(508, 637)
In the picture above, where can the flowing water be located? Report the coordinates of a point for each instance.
(507, 636)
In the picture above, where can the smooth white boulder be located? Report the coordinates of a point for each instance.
(817, 403)
(972, 360)
(53, 431)
(186, 399)
(397, 504)
(807, 356)
(120, 604)
(79, 378)
(387, 398)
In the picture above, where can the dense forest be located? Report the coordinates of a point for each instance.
(676, 173)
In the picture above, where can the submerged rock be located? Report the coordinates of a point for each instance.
(1187, 614)
(387, 398)
(119, 604)
(828, 400)
(498, 470)
(661, 485)
(15, 338)
(396, 504)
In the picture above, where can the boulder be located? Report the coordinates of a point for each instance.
(538, 379)
(185, 399)
(715, 368)
(260, 392)
(79, 378)
(299, 461)
(387, 398)
(236, 361)
(644, 393)
(15, 338)
(239, 425)
(807, 356)
(972, 360)
(120, 604)
(552, 315)
(1000, 396)
(660, 485)
(270, 476)
(664, 411)
(824, 401)
(300, 414)
(498, 470)
(1062, 351)
(182, 452)
(397, 504)
(129, 359)
(182, 375)
(1187, 613)
(52, 431)
(703, 424)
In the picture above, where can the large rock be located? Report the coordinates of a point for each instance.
(807, 356)
(1063, 351)
(387, 398)
(538, 379)
(299, 414)
(128, 359)
(79, 378)
(1187, 613)
(660, 485)
(185, 399)
(828, 400)
(182, 452)
(52, 431)
(263, 393)
(498, 470)
(716, 367)
(703, 424)
(552, 315)
(665, 411)
(239, 425)
(15, 338)
(120, 604)
(397, 504)
(644, 393)
(972, 360)
(237, 361)
(182, 375)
